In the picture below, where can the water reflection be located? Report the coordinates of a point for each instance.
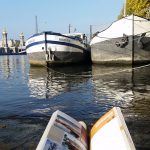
(84, 92)
(12, 66)
(5, 67)
(112, 85)
(13, 81)
(141, 88)
(50, 82)
(130, 90)
(123, 87)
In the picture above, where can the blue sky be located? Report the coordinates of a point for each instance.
(55, 15)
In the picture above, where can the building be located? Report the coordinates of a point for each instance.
(12, 46)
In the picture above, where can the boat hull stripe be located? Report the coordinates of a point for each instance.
(55, 42)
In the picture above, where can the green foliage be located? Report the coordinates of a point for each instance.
(137, 7)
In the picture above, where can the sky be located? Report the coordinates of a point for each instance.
(18, 16)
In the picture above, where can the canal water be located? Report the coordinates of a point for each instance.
(29, 95)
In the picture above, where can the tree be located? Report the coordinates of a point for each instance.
(137, 7)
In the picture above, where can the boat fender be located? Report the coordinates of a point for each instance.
(140, 44)
(117, 44)
(50, 54)
(47, 56)
(123, 42)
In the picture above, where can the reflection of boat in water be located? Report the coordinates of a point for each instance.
(56, 48)
(113, 84)
(126, 40)
(47, 83)
(43, 84)
(124, 87)
(128, 89)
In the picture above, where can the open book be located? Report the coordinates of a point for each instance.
(65, 133)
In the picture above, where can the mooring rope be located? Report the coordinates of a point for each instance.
(124, 70)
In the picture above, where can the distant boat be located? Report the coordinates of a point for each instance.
(55, 48)
(125, 41)
(22, 50)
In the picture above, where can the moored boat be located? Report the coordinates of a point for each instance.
(55, 48)
(125, 41)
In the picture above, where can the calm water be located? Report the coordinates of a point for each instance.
(29, 95)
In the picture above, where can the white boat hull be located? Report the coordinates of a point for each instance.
(53, 48)
(124, 42)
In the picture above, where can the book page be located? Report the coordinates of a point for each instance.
(110, 132)
(63, 132)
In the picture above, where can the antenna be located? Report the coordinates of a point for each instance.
(36, 25)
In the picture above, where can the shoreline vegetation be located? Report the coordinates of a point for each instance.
(139, 8)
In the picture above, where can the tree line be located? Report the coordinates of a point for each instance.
(139, 8)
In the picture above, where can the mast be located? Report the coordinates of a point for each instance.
(36, 25)
(90, 32)
(69, 28)
(125, 5)
(133, 51)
